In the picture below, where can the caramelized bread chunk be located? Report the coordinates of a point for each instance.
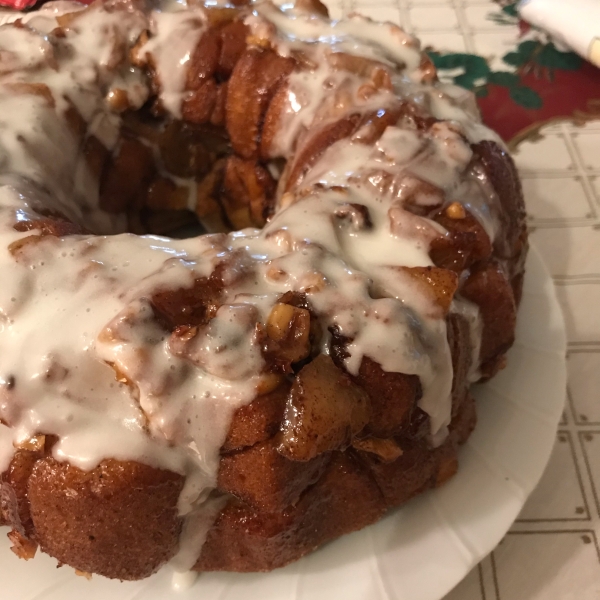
(257, 421)
(264, 478)
(489, 288)
(242, 539)
(393, 396)
(122, 522)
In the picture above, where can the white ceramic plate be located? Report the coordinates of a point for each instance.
(421, 551)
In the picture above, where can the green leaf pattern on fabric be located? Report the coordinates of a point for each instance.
(510, 10)
(474, 73)
(474, 69)
(504, 78)
(552, 58)
(526, 97)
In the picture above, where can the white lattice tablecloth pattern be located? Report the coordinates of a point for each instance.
(553, 550)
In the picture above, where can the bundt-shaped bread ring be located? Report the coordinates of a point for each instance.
(232, 401)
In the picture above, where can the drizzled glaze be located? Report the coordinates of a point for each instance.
(175, 35)
(74, 310)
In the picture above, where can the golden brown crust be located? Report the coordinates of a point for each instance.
(119, 520)
(393, 396)
(459, 341)
(257, 421)
(344, 499)
(283, 508)
(253, 83)
(308, 154)
(266, 480)
(489, 288)
(504, 178)
(248, 192)
(15, 506)
(355, 490)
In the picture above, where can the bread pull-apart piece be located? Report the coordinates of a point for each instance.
(490, 289)
(393, 397)
(265, 479)
(356, 489)
(248, 191)
(344, 499)
(119, 520)
(253, 83)
(258, 421)
(464, 244)
(134, 507)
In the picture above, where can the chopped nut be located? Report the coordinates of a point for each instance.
(366, 91)
(254, 40)
(436, 284)
(185, 332)
(286, 200)
(119, 375)
(428, 70)
(65, 20)
(283, 318)
(289, 327)
(37, 442)
(381, 78)
(268, 382)
(118, 100)
(386, 449)
(342, 102)
(107, 336)
(276, 274)
(280, 321)
(85, 574)
(282, 238)
(456, 211)
(21, 546)
(314, 282)
(316, 7)
(58, 32)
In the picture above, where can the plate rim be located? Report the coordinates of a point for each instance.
(300, 569)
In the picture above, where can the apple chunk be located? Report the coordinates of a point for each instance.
(325, 410)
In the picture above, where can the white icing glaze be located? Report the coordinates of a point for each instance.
(182, 581)
(470, 312)
(76, 312)
(6, 447)
(194, 534)
(356, 34)
(175, 35)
